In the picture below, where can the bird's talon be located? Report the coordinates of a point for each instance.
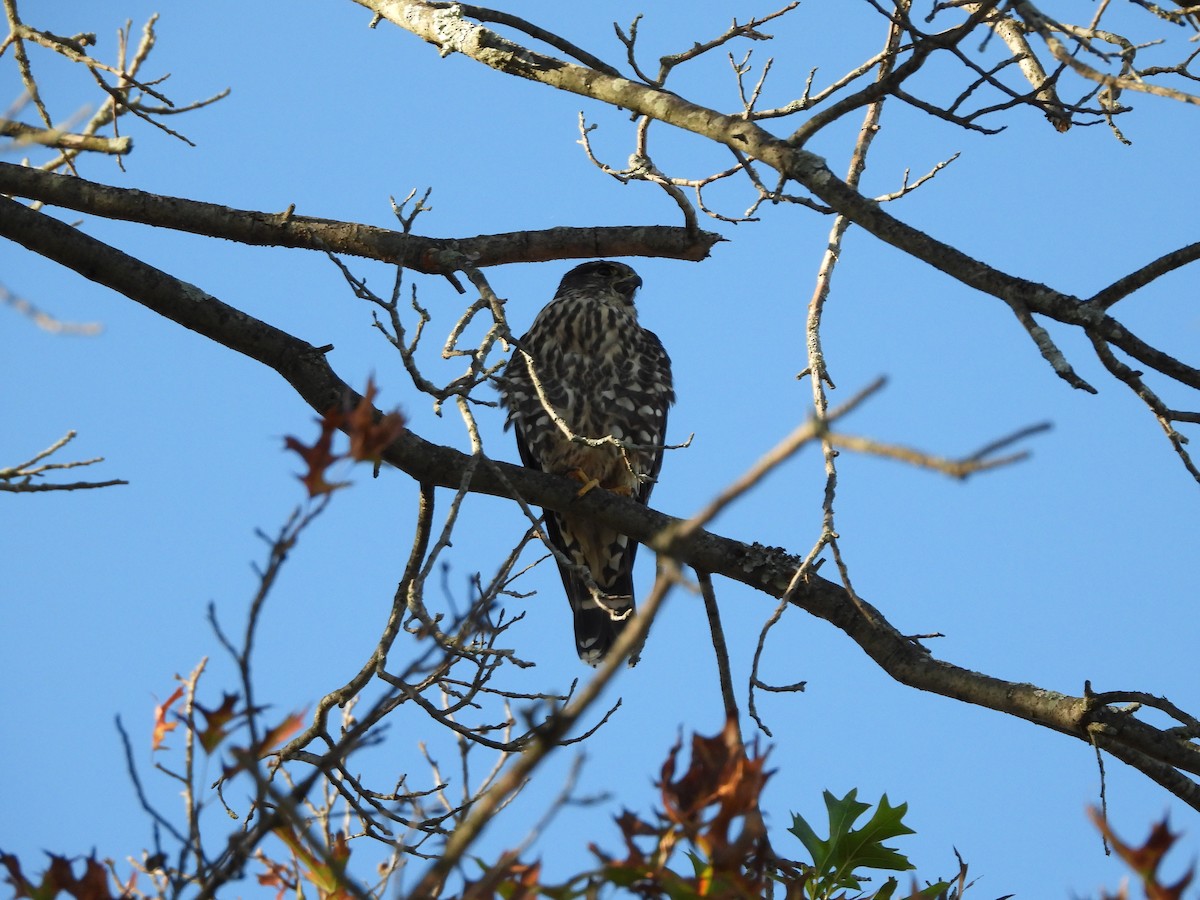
(589, 483)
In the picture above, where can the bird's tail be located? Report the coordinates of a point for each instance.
(604, 608)
(599, 620)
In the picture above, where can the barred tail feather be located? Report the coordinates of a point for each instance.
(597, 627)
(597, 624)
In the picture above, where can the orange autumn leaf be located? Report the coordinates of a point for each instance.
(161, 726)
(281, 732)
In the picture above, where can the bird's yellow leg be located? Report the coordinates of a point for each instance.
(588, 482)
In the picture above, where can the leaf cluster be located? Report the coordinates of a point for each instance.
(839, 861)
(710, 815)
(369, 433)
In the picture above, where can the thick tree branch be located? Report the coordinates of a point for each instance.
(1154, 751)
(431, 256)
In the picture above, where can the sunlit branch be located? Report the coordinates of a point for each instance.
(18, 479)
(43, 319)
(64, 140)
(1045, 27)
(955, 468)
(1031, 67)
(499, 17)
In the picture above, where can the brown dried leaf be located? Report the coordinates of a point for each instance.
(319, 456)
(720, 775)
(93, 884)
(1146, 859)
(60, 877)
(371, 435)
(217, 723)
(22, 886)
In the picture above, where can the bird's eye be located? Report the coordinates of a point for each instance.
(608, 271)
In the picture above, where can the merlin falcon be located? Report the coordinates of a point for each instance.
(596, 374)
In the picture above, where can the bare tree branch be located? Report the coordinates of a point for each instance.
(284, 229)
(451, 33)
(772, 571)
(64, 140)
(43, 319)
(18, 479)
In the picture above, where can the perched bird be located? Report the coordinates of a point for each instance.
(603, 376)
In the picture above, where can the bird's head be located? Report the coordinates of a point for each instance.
(602, 277)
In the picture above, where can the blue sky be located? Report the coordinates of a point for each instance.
(1077, 564)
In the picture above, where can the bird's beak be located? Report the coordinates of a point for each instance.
(628, 285)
